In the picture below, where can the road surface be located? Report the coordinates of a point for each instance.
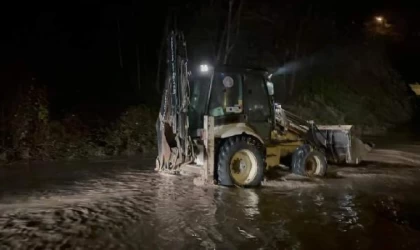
(123, 204)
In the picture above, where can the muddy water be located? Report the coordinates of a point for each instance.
(123, 204)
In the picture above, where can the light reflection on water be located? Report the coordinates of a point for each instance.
(347, 216)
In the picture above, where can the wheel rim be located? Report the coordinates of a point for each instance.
(243, 167)
(313, 166)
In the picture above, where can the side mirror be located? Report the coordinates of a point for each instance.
(270, 87)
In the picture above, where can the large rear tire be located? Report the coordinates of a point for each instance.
(240, 162)
(308, 162)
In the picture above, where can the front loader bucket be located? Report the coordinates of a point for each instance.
(342, 146)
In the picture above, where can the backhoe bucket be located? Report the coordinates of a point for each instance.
(343, 147)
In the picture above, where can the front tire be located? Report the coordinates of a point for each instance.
(308, 162)
(240, 162)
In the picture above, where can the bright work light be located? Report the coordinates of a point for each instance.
(204, 68)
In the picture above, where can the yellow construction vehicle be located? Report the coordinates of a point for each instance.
(223, 124)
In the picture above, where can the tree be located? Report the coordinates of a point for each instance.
(234, 24)
(161, 50)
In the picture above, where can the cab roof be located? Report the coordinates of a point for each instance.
(236, 69)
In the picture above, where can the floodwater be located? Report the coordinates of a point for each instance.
(123, 204)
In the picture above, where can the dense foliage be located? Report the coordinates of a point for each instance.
(356, 85)
(32, 135)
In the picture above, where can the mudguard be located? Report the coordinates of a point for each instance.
(229, 130)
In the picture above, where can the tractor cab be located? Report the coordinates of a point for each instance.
(232, 96)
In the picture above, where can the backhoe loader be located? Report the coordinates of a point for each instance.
(222, 123)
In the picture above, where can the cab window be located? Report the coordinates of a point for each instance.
(226, 95)
(257, 102)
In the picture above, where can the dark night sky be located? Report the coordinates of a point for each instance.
(73, 27)
(72, 47)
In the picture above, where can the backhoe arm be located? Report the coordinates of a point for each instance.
(174, 144)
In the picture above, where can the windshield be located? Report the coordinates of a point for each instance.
(226, 95)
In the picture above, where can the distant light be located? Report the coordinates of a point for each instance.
(204, 68)
(379, 19)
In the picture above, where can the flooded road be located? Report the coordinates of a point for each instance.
(123, 204)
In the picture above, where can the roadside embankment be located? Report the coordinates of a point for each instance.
(392, 156)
